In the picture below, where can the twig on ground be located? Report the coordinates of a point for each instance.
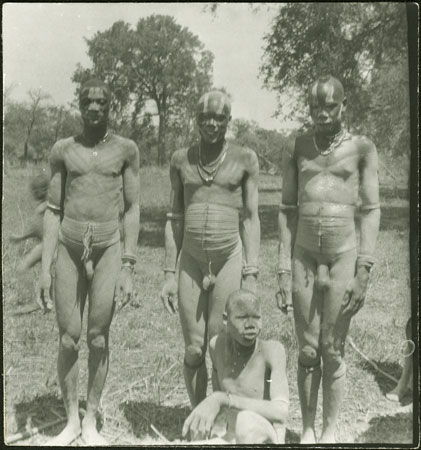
(32, 431)
(129, 387)
(371, 362)
(161, 436)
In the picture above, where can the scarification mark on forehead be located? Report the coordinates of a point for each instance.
(327, 90)
(215, 102)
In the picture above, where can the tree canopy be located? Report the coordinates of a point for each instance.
(159, 60)
(362, 44)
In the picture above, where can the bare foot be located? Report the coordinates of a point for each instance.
(66, 437)
(397, 394)
(91, 436)
(327, 438)
(308, 437)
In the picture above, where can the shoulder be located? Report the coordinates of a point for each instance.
(303, 142)
(215, 345)
(273, 351)
(179, 156)
(245, 156)
(126, 144)
(61, 146)
(364, 144)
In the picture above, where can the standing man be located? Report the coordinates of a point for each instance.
(212, 182)
(323, 179)
(88, 174)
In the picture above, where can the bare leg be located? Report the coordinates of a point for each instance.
(307, 304)
(334, 330)
(70, 297)
(404, 385)
(193, 310)
(228, 280)
(308, 389)
(33, 257)
(101, 308)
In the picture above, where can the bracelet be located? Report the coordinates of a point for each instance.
(229, 400)
(280, 271)
(129, 258)
(250, 270)
(286, 207)
(167, 269)
(175, 216)
(128, 266)
(365, 260)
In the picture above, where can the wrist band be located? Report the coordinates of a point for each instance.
(167, 269)
(229, 400)
(250, 270)
(286, 207)
(129, 258)
(365, 260)
(175, 216)
(128, 266)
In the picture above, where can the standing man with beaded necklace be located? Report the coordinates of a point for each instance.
(322, 181)
(89, 173)
(212, 182)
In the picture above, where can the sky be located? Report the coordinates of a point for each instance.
(43, 42)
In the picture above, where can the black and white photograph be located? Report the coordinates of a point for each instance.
(210, 224)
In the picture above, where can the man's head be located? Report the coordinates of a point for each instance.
(243, 316)
(213, 114)
(327, 102)
(94, 103)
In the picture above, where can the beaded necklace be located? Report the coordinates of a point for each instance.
(207, 172)
(336, 142)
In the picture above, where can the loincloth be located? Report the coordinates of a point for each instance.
(211, 232)
(326, 228)
(88, 236)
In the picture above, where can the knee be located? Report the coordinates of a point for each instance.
(97, 342)
(194, 354)
(309, 356)
(333, 357)
(249, 429)
(69, 343)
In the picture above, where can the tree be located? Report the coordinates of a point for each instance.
(357, 42)
(159, 61)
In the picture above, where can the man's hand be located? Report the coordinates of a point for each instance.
(249, 282)
(169, 295)
(355, 294)
(43, 297)
(124, 288)
(284, 295)
(202, 418)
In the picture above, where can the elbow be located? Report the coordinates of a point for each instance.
(280, 411)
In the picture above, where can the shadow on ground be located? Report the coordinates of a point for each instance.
(166, 419)
(393, 429)
(42, 410)
(386, 384)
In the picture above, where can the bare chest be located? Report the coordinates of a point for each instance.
(103, 159)
(250, 379)
(342, 162)
(228, 176)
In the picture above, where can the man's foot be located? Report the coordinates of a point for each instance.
(91, 436)
(327, 438)
(66, 437)
(308, 437)
(397, 394)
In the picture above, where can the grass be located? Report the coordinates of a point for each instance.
(145, 384)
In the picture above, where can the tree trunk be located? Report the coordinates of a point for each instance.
(161, 138)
